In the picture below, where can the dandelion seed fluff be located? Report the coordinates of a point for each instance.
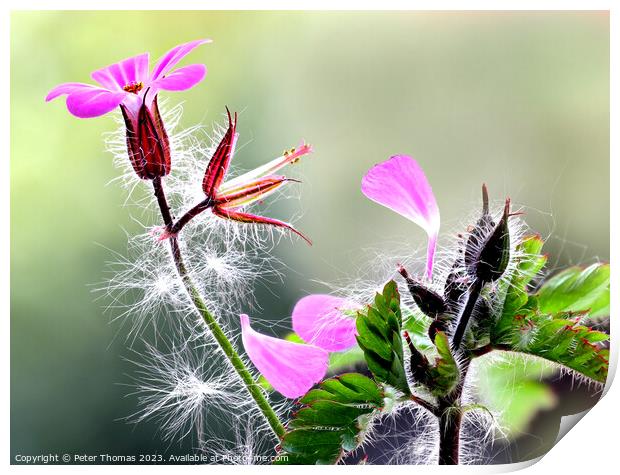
(185, 390)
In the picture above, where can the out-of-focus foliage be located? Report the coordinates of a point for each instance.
(577, 290)
(513, 389)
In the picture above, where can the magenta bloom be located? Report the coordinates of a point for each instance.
(400, 184)
(291, 368)
(128, 82)
(320, 320)
(130, 85)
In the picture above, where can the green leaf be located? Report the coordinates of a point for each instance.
(529, 262)
(576, 290)
(512, 390)
(306, 446)
(331, 420)
(444, 375)
(560, 339)
(345, 360)
(379, 337)
(545, 324)
(416, 324)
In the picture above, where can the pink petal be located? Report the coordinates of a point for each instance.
(93, 102)
(182, 78)
(318, 319)
(400, 184)
(291, 368)
(118, 75)
(172, 57)
(67, 88)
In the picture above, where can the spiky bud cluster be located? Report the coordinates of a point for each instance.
(487, 250)
(482, 259)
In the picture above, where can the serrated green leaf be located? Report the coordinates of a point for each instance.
(306, 446)
(444, 375)
(370, 340)
(379, 337)
(545, 324)
(330, 420)
(576, 289)
(529, 263)
(561, 340)
(365, 388)
(327, 414)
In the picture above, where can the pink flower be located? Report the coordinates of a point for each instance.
(400, 184)
(130, 85)
(129, 81)
(291, 368)
(226, 199)
(321, 320)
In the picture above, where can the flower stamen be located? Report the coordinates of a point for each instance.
(133, 87)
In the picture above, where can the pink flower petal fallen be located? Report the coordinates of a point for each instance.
(401, 185)
(319, 320)
(291, 368)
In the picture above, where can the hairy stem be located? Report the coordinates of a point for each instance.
(461, 326)
(191, 214)
(450, 417)
(449, 435)
(226, 346)
(450, 413)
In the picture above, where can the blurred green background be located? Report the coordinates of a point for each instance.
(518, 100)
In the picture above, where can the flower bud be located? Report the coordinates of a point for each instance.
(437, 325)
(494, 254)
(484, 226)
(147, 141)
(455, 286)
(487, 250)
(430, 303)
(418, 362)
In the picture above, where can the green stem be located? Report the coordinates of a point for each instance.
(199, 304)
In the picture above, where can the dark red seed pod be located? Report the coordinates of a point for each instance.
(216, 170)
(163, 135)
(147, 142)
